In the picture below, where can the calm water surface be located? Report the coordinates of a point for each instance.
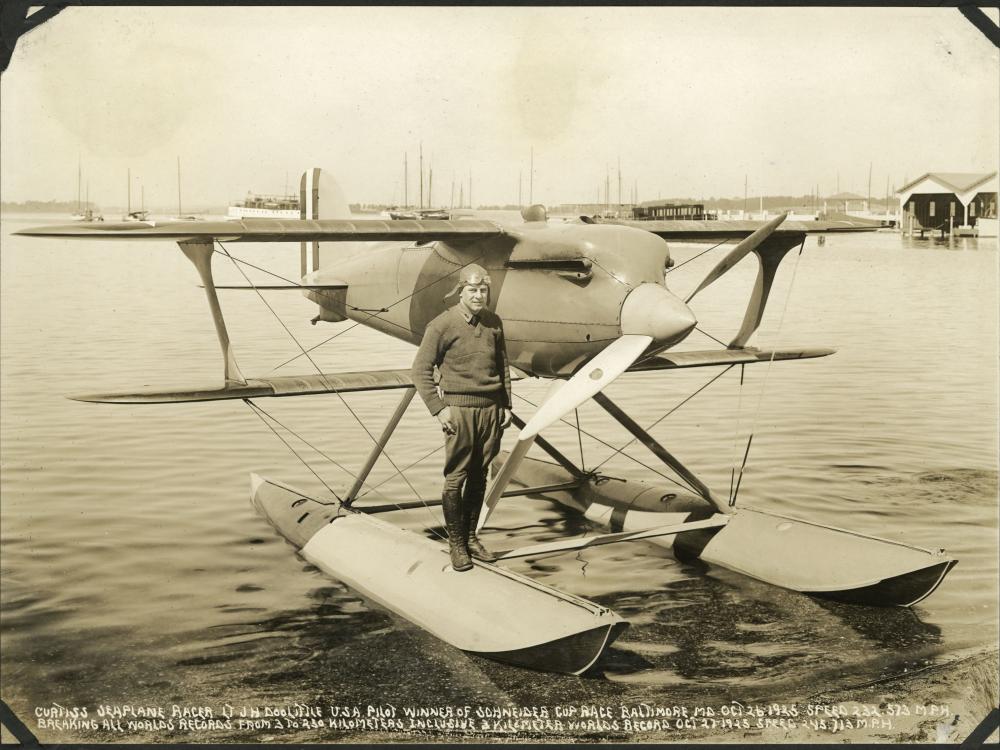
(135, 571)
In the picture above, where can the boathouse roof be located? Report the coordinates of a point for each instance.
(670, 202)
(959, 182)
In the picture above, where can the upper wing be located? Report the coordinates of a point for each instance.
(276, 230)
(723, 230)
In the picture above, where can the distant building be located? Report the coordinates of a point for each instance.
(951, 200)
(667, 211)
(843, 202)
(597, 210)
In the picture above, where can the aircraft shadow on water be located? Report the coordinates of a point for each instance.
(583, 303)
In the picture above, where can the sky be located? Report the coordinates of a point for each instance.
(692, 101)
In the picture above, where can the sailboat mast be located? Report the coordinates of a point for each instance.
(179, 212)
(128, 179)
(619, 183)
(868, 203)
(607, 189)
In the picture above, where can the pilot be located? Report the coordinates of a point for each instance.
(472, 403)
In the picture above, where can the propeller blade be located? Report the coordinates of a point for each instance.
(739, 252)
(594, 376)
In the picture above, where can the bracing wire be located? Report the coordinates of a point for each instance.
(254, 409)
(375, 314)
(695, 257)
(608, 445)
(257, 268)
(667, 414)
(318, 369)
(767, 372)
(746, 455)
(305, 352)
(261, 411)
(706, 333)
(736, 432)
(374, 487)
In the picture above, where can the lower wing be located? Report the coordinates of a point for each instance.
(380, 380)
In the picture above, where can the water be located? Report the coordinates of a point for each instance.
(135, 571)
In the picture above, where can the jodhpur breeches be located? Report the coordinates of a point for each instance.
(469, 452)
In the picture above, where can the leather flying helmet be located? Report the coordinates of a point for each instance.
(472, 275)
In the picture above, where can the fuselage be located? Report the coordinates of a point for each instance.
(560, 289)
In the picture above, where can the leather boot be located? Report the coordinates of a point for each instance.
(457, 535)
(473, 507)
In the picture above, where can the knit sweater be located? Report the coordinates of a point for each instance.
(470, 355)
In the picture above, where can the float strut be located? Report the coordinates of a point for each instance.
(200, 253)
(550, 449)
(380, 445)
(659, 451)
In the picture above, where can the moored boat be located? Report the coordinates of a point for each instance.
(395, 212)
(266, 207)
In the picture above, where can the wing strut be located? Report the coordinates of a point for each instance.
(546, 446)
(380, 445)
(776, 250)
(659, 451)
(200, 253)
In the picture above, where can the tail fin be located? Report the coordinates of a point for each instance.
(319, 197)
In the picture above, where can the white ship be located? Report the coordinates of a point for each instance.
(266, 207)
(395, 212)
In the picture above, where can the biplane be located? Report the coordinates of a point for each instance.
(584, 302)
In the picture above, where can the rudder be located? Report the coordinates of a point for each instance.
(320, 196)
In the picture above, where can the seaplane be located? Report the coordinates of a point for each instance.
(584, 303)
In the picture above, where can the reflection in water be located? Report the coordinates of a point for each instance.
(728, 630)
(890, 628)
(135, 573)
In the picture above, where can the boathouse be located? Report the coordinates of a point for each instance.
(960, 202)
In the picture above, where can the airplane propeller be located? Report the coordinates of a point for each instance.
(592, 377)
(739, 252)
(652, 319)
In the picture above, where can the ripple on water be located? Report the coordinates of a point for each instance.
(135, 569)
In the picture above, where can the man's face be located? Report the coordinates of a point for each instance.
(474, 297)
